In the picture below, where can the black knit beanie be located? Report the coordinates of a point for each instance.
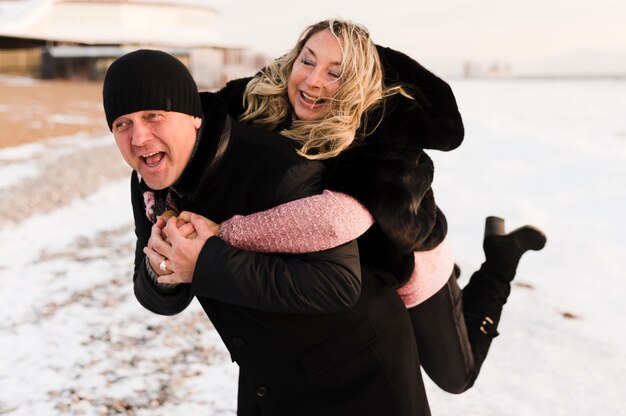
(149, 80)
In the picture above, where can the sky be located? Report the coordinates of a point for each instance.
(532, 36)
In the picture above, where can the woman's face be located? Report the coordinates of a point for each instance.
(315, 76)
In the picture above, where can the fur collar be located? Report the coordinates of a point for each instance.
(395, 185)
(431, 120)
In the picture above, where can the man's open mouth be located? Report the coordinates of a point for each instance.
(153, 159)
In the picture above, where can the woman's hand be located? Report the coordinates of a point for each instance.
(213, 227)
(182, 222)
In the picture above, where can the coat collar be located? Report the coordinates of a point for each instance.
(211, 146)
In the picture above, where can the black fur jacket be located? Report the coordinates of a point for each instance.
(388, 170)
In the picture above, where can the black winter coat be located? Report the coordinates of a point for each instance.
(304, 343)
(387, 170)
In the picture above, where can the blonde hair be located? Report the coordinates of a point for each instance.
(361, 90)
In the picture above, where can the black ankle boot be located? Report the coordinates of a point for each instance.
(489, 287)
(504, 251)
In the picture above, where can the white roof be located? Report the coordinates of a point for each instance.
(176, 23)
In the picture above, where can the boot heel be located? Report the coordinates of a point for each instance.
(494, 226)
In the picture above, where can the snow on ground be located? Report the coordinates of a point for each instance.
(73, 340)
(552, 154)
(22, 162)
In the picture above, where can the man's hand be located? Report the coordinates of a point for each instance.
(187, 229)
(177, 246)
(155, 258)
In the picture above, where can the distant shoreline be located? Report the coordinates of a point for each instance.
(546, 77)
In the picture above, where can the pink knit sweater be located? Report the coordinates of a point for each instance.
(324, 221)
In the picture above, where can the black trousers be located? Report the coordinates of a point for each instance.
(442, 339)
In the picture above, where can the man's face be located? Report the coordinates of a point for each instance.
(157, 144)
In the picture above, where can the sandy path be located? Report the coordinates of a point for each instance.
(32, 110)
(69, 152)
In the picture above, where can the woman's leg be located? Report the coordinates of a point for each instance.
(454, 328)
(442, 340)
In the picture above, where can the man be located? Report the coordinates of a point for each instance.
(308, 337)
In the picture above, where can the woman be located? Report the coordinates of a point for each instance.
(309, 94)
(328, 94)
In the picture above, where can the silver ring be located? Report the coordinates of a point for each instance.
(162, 266)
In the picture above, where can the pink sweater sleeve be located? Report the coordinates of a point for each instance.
(324, 221)
(432, 270)
(315, 223)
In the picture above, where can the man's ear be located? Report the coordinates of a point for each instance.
(197, 122)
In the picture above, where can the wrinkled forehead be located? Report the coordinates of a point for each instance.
(143, 113)
(159, 118)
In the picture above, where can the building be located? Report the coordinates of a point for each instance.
(78, 39)
(497, 69)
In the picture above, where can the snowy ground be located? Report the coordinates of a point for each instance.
(74, 341)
